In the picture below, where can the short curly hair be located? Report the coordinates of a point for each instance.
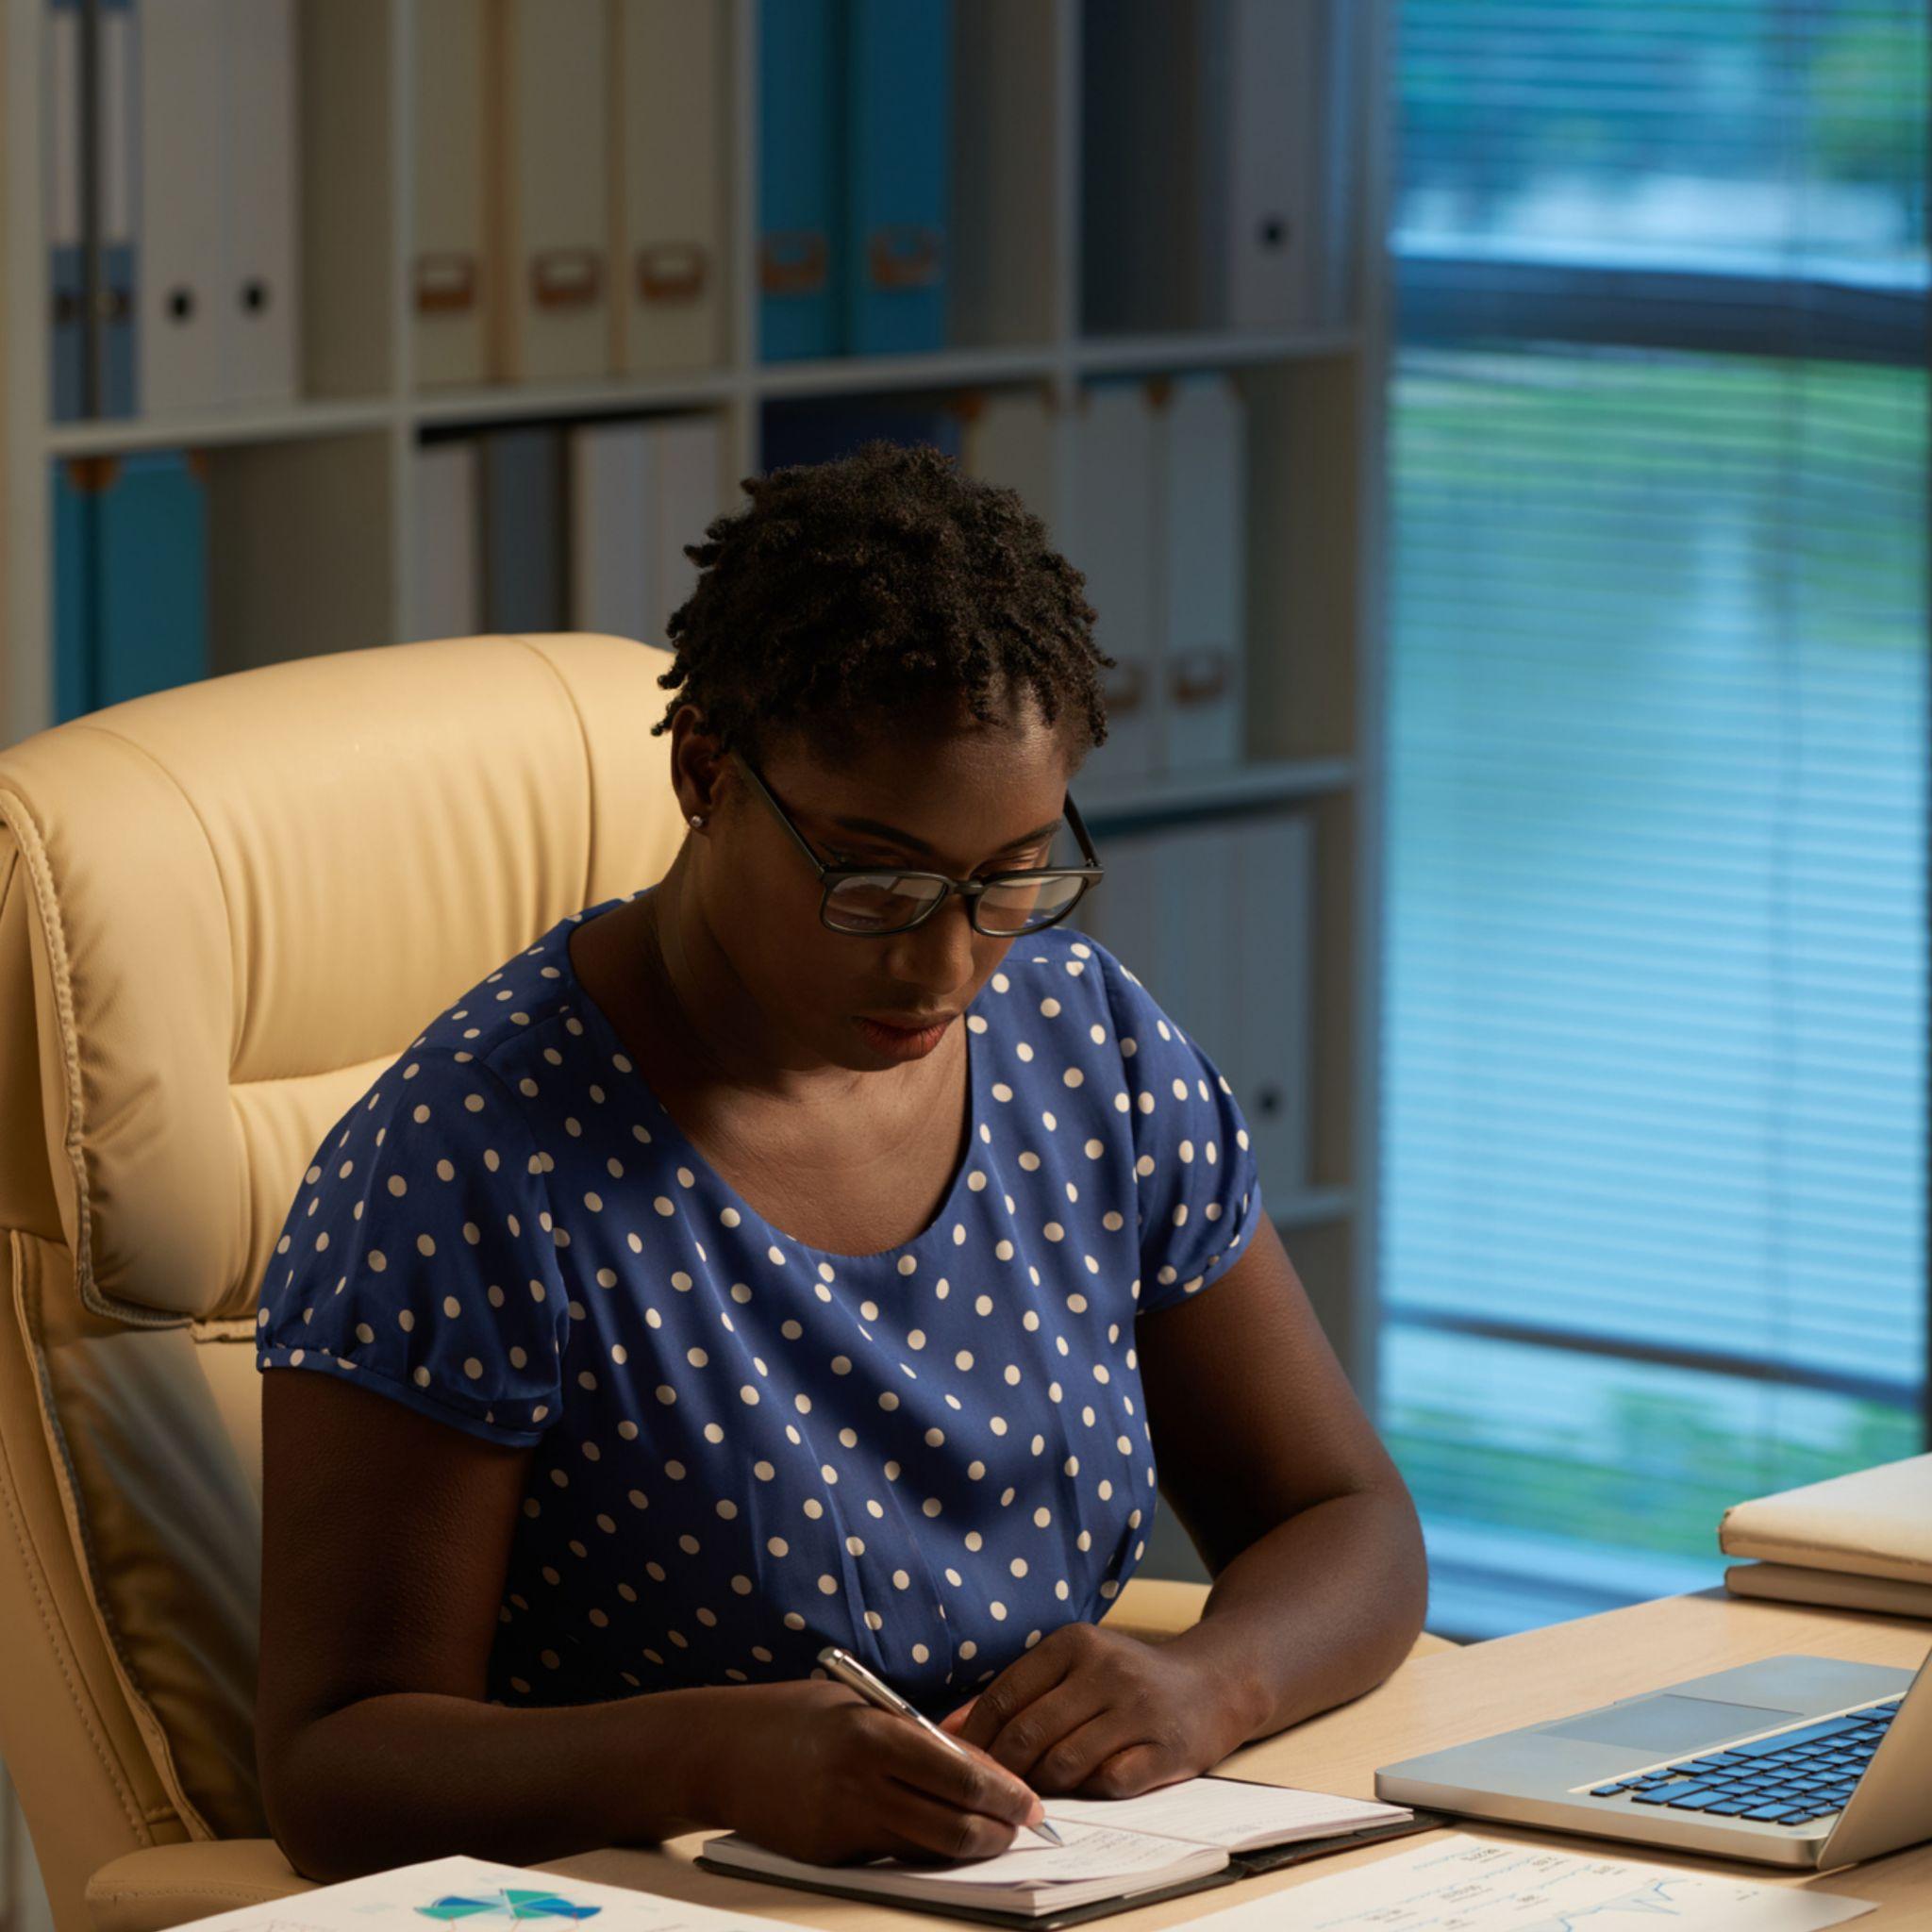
(884, 589)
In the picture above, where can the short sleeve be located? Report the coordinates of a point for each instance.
(1197, 1187)
(417, 1258)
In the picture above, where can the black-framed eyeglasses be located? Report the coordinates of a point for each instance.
(872, 901)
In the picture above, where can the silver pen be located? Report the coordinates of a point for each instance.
(841, 1664)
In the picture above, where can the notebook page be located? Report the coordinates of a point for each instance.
(1092, 1852)
(1226, 1812)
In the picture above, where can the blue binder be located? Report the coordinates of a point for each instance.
(899, 138)
(800, 248)
(75, 679)
(67, 269)
(525, 536)
(89, 111)
(151, 575)
(130, 577)
(819, 432)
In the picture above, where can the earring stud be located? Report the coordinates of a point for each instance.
(697, 817)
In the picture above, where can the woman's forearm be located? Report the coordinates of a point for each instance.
(1320, 1610)
(408, 1776)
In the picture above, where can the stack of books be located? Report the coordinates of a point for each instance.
(1860, 1541)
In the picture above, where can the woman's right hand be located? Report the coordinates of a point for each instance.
(811, 1770)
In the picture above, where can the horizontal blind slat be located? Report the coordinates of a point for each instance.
(1656, 935)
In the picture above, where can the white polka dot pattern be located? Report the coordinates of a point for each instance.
(746, 1448)
(1198, 1190)
(416, 1260)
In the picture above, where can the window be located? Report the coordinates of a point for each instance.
(1653, 1114)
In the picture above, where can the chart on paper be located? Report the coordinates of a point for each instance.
(1463, 1883)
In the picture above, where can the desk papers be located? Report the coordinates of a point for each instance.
(1473, 1885)
(475, 1893)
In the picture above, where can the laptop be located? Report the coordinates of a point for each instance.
(1811, 1761)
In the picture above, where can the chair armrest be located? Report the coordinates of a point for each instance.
(167, 1884)
(1154, 1608)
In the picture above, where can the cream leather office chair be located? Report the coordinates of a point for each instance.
(223, 911)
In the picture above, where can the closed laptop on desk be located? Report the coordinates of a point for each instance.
(1808, 1761)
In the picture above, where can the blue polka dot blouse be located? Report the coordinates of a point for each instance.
(748, 1447)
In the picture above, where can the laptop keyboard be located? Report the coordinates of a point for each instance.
(1787, 1778)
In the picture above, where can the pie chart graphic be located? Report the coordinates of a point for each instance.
(505, 1902)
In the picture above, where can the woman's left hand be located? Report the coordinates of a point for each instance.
(1091, 1711)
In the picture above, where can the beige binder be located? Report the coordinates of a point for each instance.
(668, 73)
(550, 261)
(446, 267)
(1873, 1523)
(1016, 438)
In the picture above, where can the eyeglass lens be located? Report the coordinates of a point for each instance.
(882, 901)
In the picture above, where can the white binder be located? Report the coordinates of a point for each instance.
(1121, 910)
(61, 93)
(690, 459)
(1271, 1059)
(614, 530)
(1235, 971)
(1197, 885)
(1016, 438)
(260, 299)
(182, 211)
(117, 122)
(1201, 472)
(61, 206)
(1110, 537)
(555, 234)
(1275, 113)
(446, 595)
(448, 272)
(667, 261)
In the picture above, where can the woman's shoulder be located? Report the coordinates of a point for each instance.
(1067, 973)
(522, 993)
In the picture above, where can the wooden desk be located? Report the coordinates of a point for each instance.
(1429, 1703)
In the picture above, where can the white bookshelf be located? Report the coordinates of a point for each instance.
(317, 491)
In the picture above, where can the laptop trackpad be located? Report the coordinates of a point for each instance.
(1667, 1724)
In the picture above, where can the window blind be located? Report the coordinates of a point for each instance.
(1655, 1076)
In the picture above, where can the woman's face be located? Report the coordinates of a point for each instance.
(975, 799)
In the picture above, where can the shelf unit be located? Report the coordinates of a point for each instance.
(315, 495)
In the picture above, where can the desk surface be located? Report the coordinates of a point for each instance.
(1432, 1702)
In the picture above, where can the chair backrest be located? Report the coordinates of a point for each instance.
(223, 909)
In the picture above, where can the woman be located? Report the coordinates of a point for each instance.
(783, 1255)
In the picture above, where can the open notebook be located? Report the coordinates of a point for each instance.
(1185, 1837)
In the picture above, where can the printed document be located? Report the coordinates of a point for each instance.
(1464, 1884)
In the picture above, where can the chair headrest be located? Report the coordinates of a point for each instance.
(245, 896)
